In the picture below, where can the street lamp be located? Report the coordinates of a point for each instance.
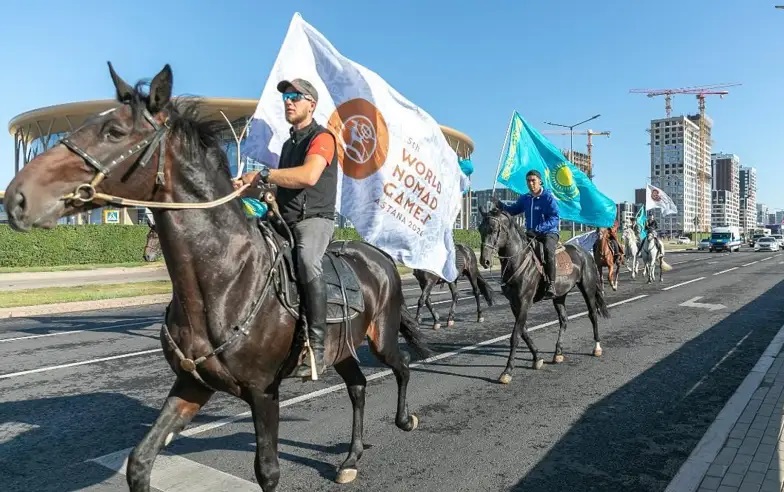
(571, 141)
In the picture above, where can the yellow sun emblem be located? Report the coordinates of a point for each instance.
(562, 182)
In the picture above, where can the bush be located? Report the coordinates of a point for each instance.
(101, 244)
(72, 245)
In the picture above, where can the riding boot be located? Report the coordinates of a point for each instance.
(549, 292)
(315, 297)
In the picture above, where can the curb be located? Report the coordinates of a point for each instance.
(695, 467)
(71, 307)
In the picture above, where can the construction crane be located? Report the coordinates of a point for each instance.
(668, 93)
(590, 134)
(702, 172)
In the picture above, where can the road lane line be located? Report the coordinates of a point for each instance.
(725, 271)
(140, 324)
(749, 264)
(74, 364)
(117, 460)
(684, 283)
(766, 259)
(171, 472)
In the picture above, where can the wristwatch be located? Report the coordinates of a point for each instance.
(262, 175)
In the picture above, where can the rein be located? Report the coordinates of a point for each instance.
(86, 192)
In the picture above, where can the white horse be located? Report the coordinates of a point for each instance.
(651, 253)
(630, 250)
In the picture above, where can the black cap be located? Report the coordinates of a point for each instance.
(300, 85)
(534, 172)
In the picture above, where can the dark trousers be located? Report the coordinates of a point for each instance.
(549, 241)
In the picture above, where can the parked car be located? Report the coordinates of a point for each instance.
(684, 240)
(755, 238)
(704, 245)
(779, 238)
(766, 243)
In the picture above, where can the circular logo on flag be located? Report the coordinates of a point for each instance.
(561, 182)
(362, 136)
(655, 195)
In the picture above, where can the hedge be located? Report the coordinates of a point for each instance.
(101, 244)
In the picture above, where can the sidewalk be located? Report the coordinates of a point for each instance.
(743, 450)
(70, 278)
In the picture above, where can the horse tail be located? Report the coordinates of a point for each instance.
(601, 303)
(484, 288)
(409, 328)
(665, 266)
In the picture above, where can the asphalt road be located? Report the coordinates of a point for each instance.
(625, 421)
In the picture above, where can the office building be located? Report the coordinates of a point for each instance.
(678, 159)
(748, 199)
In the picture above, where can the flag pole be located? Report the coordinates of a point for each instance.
(501, 155)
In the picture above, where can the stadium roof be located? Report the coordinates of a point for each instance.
(65, 117)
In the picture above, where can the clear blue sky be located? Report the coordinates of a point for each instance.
(469, 66)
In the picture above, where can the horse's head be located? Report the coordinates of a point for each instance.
(153, 246)
(133, 151)
(494, 230)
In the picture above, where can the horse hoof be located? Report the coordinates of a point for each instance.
(597, 352)
(347, 475)
(451, 322)
(538, 363)
(558, 358)
(480, 319)
(437, 326)
(505, 378)
(414, 421)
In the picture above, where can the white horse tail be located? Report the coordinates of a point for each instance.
(665, 266)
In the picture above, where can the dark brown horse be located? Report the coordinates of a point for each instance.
(465, 259)
(228, 327)
(152, 248)
(521, 274)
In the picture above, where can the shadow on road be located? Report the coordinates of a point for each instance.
(637, 437)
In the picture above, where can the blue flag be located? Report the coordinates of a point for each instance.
(641, 221)
(578, 198)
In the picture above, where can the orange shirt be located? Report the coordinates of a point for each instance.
(323, 145)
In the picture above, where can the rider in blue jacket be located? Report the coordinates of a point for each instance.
(542, 222)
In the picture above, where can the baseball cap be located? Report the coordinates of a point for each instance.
(301, 85)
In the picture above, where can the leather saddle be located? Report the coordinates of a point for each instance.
(344, 294)
(563, 262)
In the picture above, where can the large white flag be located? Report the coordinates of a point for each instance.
(656, 198)
(400, 182)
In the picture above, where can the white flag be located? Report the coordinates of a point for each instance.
(656, 198)
(399, 182)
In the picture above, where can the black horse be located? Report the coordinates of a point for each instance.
(522, 274)
(231, 325)
(466, 263)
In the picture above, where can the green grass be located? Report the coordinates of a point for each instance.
(86, 266)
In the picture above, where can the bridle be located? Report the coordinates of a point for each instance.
(86, 192)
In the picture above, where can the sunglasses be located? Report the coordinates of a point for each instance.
(295, 96)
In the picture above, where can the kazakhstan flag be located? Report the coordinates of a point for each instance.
(578, 198)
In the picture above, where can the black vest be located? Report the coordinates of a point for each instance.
(318, 200)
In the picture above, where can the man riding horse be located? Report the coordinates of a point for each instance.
(541, 222)
(307, 190)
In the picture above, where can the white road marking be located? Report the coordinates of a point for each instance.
(74, 364)
(725, 271)
(185, 474)
(684, 283)
(140, 324)
(749, 264)
(766, 259)
(172, 473)
(702, 305)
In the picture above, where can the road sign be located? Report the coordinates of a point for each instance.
(111, 216)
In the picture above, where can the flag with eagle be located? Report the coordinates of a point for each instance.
(579, 200)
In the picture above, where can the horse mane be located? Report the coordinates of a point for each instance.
(200, 135)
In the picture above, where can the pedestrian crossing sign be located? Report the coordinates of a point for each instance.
(111, 216)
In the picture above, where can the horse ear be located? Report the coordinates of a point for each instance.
(160, 90)
(124, 90)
